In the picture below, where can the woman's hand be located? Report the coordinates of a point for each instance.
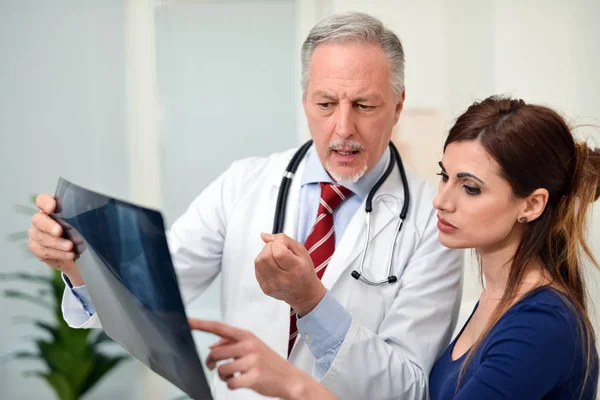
(255, 366)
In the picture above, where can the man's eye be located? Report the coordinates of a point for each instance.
(325, 106)
(365, 107)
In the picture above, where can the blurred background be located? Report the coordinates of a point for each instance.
(150, 100)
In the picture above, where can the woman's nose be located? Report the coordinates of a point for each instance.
(443, 201)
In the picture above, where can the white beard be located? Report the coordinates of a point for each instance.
(345, 179)
(354, 145)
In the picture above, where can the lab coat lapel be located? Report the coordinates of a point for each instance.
(387, 204)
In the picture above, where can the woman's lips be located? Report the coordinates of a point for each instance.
(445, 226)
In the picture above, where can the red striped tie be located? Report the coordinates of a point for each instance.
(321, 240)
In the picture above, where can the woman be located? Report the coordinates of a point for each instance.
(516, 187)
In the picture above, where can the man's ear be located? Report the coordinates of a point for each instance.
(400, 105)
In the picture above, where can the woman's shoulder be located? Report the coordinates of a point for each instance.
(545, 315)
(546, 334)
(546, 302)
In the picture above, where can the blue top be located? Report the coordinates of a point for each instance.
(534, 351)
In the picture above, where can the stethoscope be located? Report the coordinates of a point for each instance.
(286, 182)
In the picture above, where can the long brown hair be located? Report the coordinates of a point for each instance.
(535, 148)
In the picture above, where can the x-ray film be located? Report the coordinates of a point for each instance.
(124, 260)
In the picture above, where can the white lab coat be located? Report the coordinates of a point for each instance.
(398, 330)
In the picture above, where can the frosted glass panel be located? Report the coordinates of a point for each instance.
(227, 88)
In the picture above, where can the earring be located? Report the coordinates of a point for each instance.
(522, 220)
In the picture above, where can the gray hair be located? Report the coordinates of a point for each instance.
(356, 27)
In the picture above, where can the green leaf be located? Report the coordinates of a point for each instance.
(78, 376)
(52, 330)
(101, 367)
(54, 356)
(29, 374)
(26, 277)
(61, 358)
(58, 287)
(25, 250)
(64, 390)
(48, 328)
(101, 337)
(20, 319)
(17, 236)
(25, 210)
(77, 340)
(19, 355)
(15, 294)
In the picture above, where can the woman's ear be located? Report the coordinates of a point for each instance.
(534, 206)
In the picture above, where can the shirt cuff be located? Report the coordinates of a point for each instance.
(81, 293)
(325, 327)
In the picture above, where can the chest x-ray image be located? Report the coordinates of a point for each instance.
(124, 260)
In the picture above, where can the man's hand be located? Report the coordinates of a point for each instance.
(285, 271)
(47, 244)
(252, 364)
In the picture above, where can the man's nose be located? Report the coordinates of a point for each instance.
(345, 123)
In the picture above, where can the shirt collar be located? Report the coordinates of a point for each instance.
(314, 172)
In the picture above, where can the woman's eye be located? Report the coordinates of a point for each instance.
(443, 175)
(472, 190)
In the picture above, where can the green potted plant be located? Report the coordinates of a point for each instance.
(73, 358)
